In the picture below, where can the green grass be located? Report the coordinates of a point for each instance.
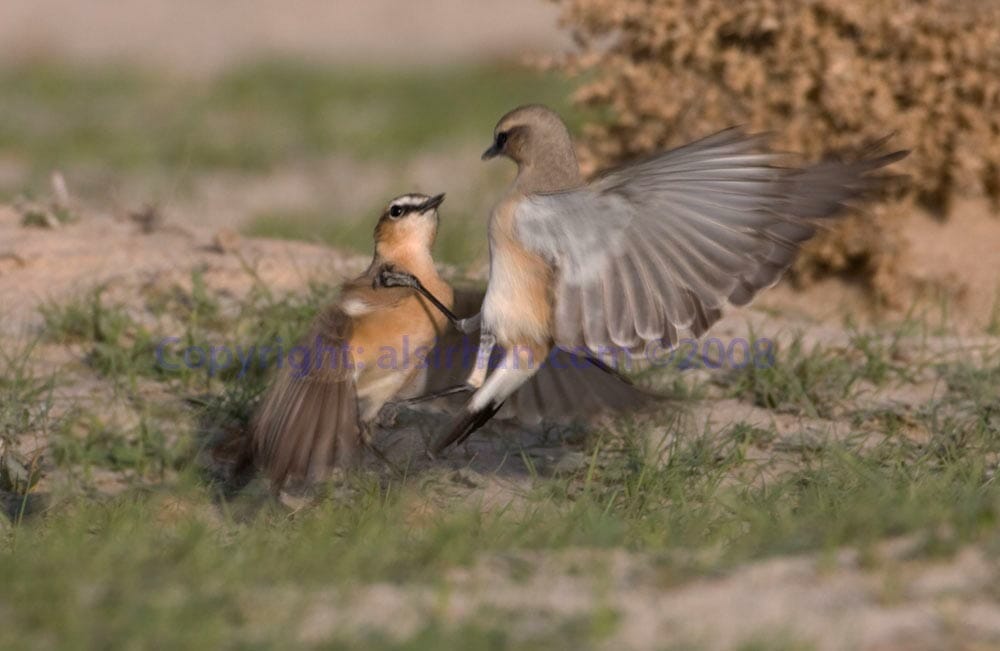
(141, 364)
(243, 585)
(199, 573)
(143, 451)
(115, 345)
(817, 380)
(253, 118)
(101, 126)
(26, 400)
(171, 560)
(993, 326)
(811, 381)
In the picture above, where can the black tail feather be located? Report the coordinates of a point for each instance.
(466, 425)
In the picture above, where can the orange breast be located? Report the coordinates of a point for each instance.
(393, 338)
(518, 304)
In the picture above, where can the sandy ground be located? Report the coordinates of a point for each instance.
(838, 604)
(199, 37)
(342, 185)
(38, 264)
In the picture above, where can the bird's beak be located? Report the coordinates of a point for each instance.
(492, 152)
(432, 203)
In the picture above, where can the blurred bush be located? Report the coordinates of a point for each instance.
(822, 74)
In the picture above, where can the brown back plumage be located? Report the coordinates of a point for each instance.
(315, 413)
(308, 420)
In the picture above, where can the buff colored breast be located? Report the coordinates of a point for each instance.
(386, 345)
(517, 307)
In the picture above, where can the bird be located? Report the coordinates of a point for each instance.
(571, 387)
(628, 260)
(376, 345)
(311, 421)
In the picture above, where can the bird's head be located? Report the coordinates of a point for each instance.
(536, 138)
(409, 222)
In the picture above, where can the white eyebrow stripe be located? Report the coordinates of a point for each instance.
(409, 201)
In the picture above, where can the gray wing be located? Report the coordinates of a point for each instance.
(568, 387)
(663, 245)
(308, 423)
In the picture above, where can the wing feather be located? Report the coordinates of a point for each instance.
(307, 422)
(568, 387)
(624, 295)
(665, 243)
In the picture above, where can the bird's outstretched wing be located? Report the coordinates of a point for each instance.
(307, 422)
(568, 387)
(662, 245)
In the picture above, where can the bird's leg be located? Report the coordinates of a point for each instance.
(476, 377)
(514, 370)
(470, 324)
(433, 395)
(487, 342)
(389, 276)
(389, 411)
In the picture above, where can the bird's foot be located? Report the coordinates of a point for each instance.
(384, 458)
(388, 415)
(390, 276)
(469, 325)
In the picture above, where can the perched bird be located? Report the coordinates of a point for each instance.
(376, 345)
(643, 251)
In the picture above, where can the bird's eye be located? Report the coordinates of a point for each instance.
(501, 139)
(396, 211)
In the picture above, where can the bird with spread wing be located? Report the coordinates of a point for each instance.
(318, 416)
(640, 253)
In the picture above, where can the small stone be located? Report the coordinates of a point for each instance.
(570, 463)
(37, 216)
(60, 193)
(226, 240)
(149, 218)
(17, 475)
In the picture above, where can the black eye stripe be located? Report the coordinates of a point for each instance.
(398, 211)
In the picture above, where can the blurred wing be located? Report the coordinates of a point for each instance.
(308, 422)
(568, 387)
(662, 245)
